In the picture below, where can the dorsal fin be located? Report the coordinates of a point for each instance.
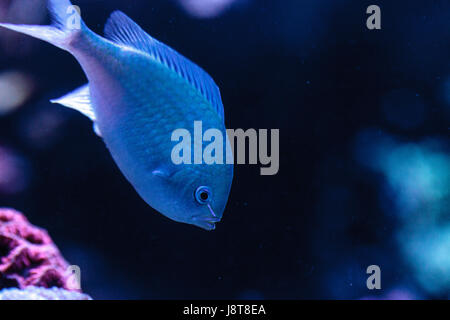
(122, 30)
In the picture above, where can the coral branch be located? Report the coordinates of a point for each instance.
(28, 256)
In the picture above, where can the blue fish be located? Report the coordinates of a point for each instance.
(139, 92)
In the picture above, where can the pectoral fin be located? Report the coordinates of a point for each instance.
(165, 171)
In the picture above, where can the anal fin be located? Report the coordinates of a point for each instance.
(80, 100)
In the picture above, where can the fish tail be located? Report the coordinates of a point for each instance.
(66, 23)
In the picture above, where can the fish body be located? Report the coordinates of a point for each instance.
(139, 92)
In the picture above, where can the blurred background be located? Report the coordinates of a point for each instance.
(364, 119)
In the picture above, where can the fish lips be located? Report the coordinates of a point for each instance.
(206, 222)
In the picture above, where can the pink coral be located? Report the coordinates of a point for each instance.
(28, 256)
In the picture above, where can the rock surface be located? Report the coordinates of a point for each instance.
(34, 293)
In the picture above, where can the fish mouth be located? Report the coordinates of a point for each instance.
(208, 223)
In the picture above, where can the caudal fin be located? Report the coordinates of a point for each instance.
(66, 21)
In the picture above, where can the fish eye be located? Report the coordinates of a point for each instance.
(203, 195)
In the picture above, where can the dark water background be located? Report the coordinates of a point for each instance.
(361, 114)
